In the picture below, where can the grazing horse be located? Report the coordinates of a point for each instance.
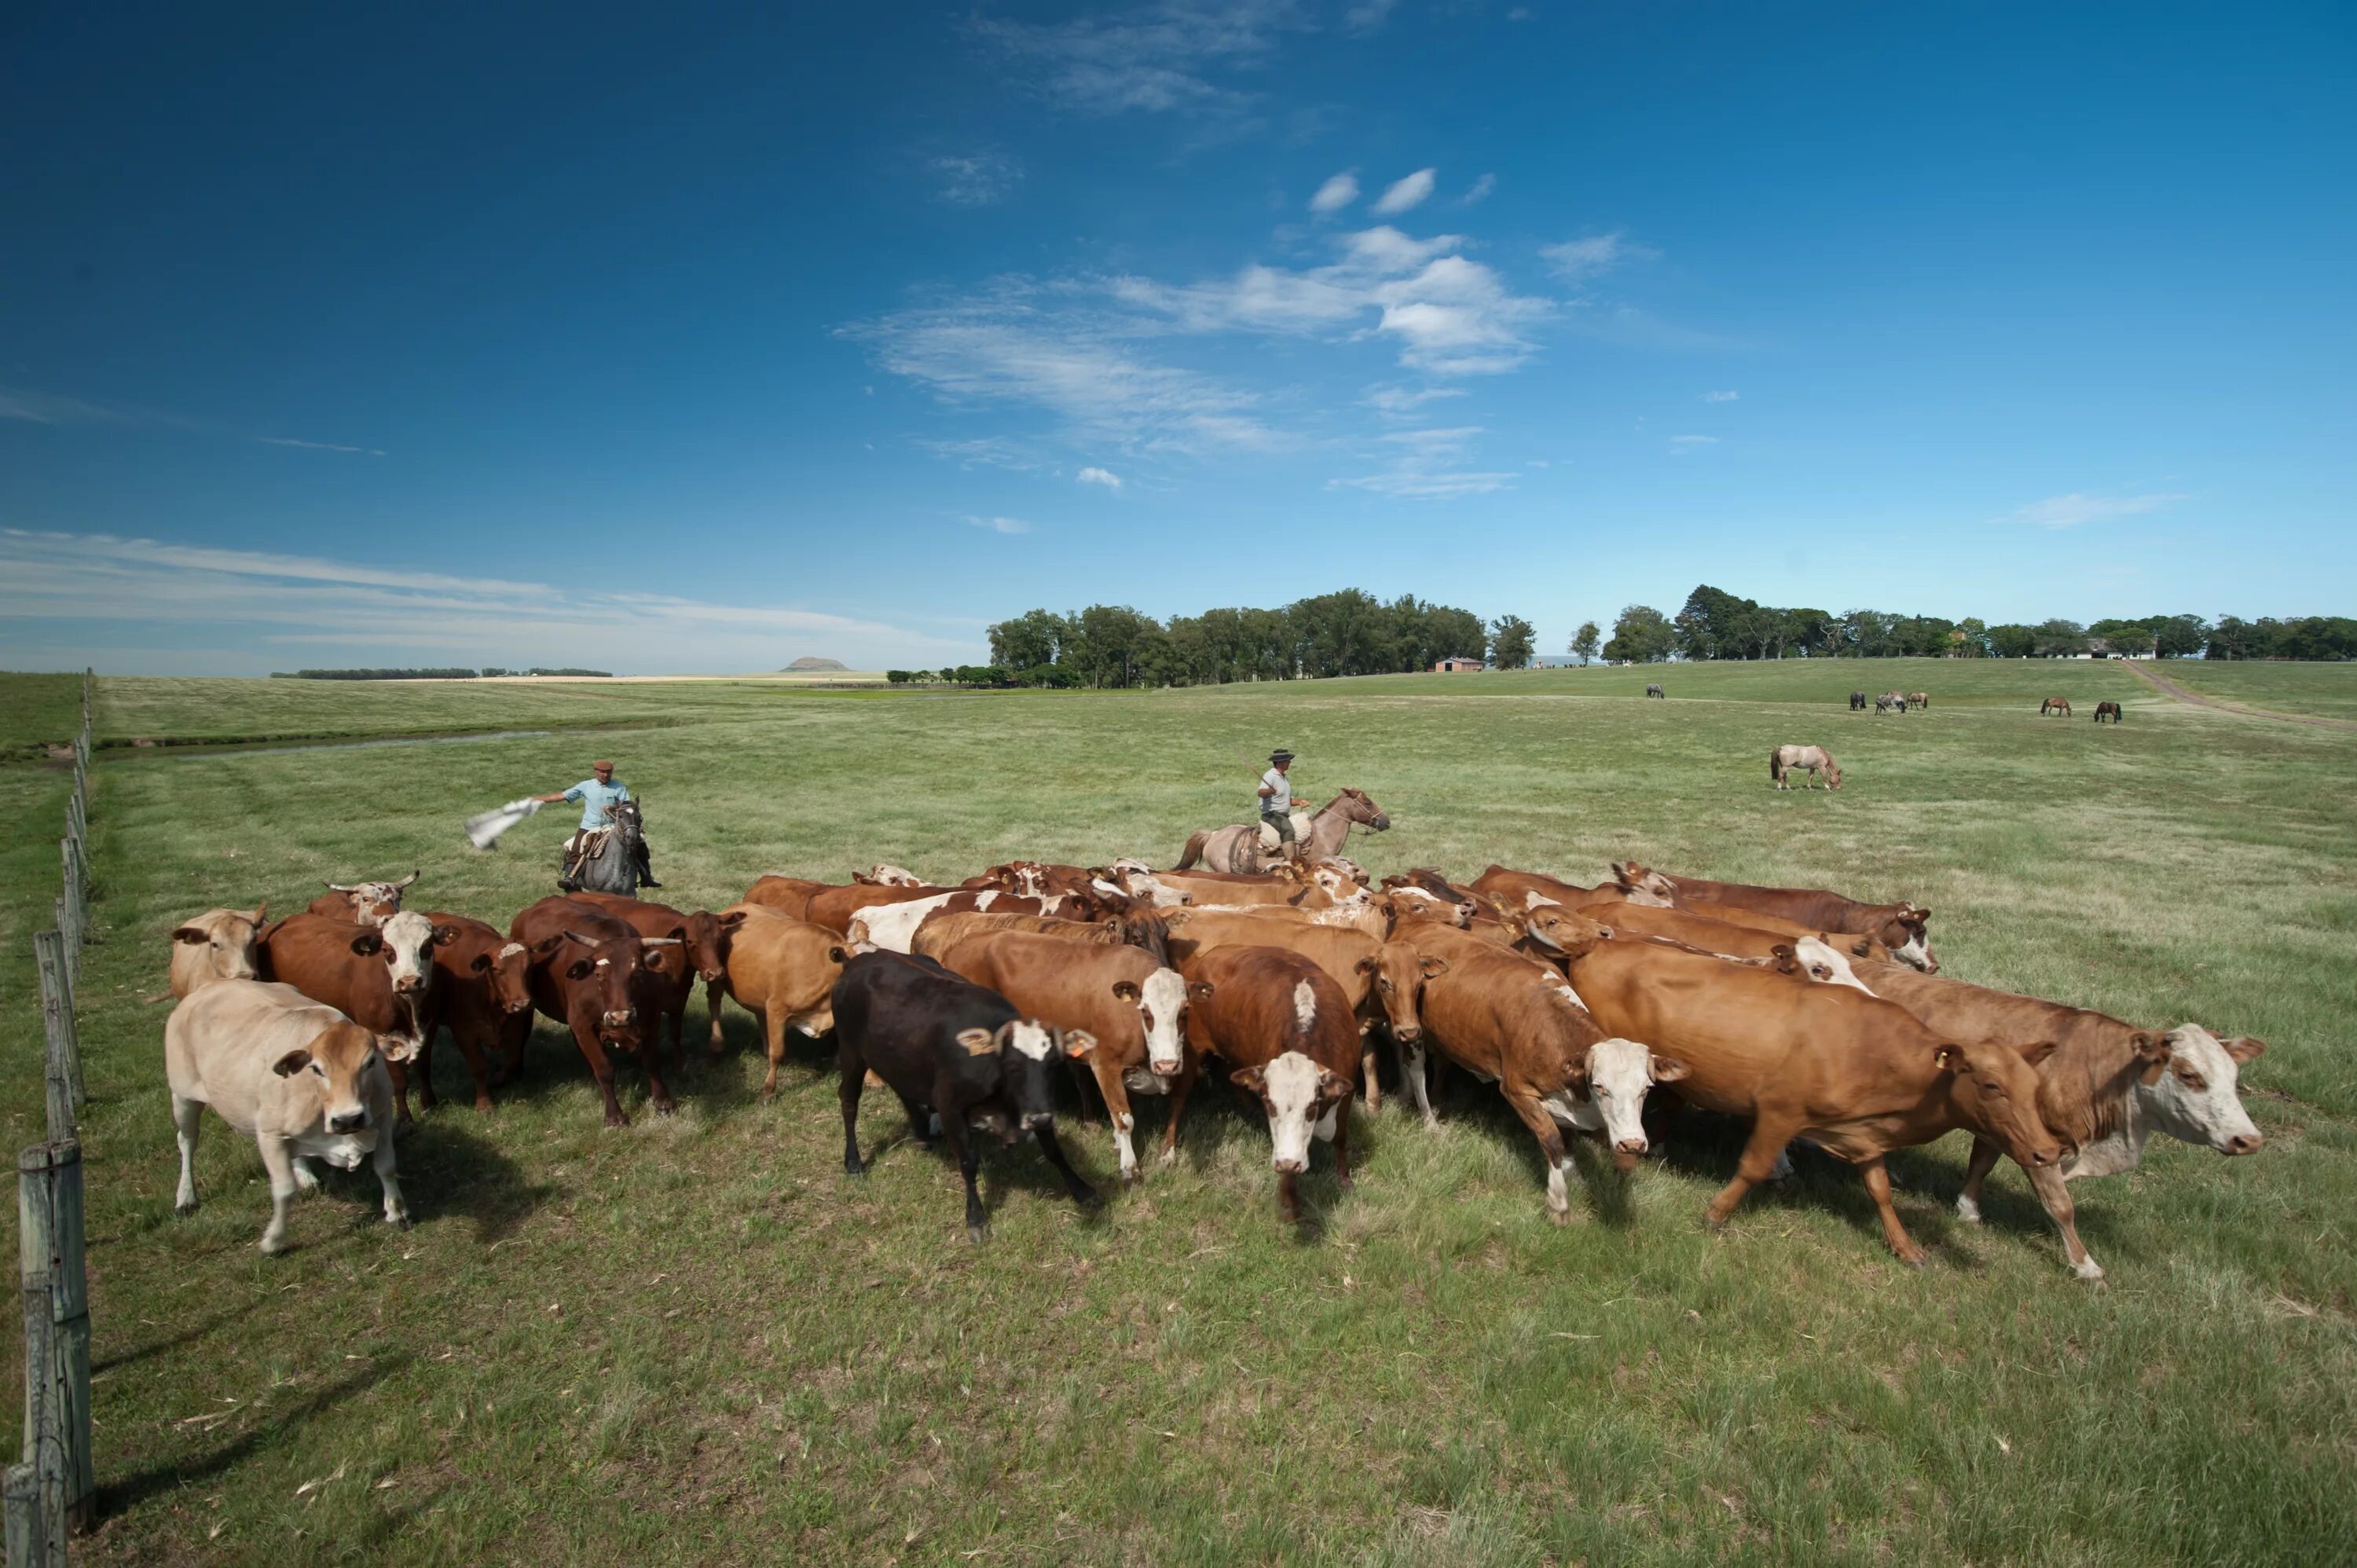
(1918, 700)
(1857, 702)
(1652, 689)
(1815, 758)
(2110, 710)
(1890, 702)
(2055, 706)
(609, 861)
(1239, 848)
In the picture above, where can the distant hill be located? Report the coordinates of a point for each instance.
(807, 663)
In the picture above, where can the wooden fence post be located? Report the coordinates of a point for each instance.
(28, 1533)
(56, 1325)
(65, 1081)
(65, 929)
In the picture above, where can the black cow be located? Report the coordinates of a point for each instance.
(1857, 702)
(953, 1049)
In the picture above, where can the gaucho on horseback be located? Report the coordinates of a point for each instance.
(1276, 802)
(601, 795)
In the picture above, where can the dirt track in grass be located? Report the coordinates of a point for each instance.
(2168, 687)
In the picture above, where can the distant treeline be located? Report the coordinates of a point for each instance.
(1346, 633)
(1718, 624)
(455, 673)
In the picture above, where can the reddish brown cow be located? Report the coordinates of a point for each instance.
(381, 978)
(1736, 937)
(1901, 928)
(364, 903)
(1514, 892)
(1287, 1036)
(781, 970)
(483, 996)
(595, 974)
(1855, 1075)
(1140, 929)
(786, 894)
(1131, 1008)
(699, 935)
(1225, 888)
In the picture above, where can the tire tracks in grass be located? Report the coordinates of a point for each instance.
(2170, 688)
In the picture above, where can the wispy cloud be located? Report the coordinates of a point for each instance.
(2071, 511)
(1104, 476)
(1154, 59)
(252, 597)
(1399, 402)
(999, 524)
(1691, 443)
(1721, 396)
(1480, 191)
(1338, 192)
(1579, 261)
(1404, 194)
(1423, 466)
(1366, 15)
(47, 408)
(975, 180)
(320, 445)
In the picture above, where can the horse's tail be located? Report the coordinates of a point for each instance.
(1194, 850)
(1776, 764)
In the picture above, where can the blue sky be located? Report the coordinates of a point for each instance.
(597, 336)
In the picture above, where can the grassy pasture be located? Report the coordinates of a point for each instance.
(2326, 690)
(693, 1340)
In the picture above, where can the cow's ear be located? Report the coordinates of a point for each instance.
(368, 943)
(977, 1042)
(547, 945)
(1785, 963)
(482, 962)
(1668, 1070)
(1078, 1044)
(1364, 966)
(1861, 948)
(1252, 1077)
(580, 969)
(1575, 1078)
(2244, 1049)
(260, 910)
(1432, 965)
(291, 1063)
(192, 935)
(1951, 1059)
(1126, 990)
(2036, 1053)
(836, 955)
(1332, 1085)
(1606, 933)
(1199, 990)
(731, 919)
(445, 935)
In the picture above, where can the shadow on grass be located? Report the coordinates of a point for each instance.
(446, 1167)
(120, 1496)
(1461, 1098)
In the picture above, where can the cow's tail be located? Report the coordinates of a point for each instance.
(1194, 850)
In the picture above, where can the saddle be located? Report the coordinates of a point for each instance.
(1272, 844)
(585, 845)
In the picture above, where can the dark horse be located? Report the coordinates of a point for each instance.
(1857, 702)
(2107, 709)
(1654, 690)
(609, 862)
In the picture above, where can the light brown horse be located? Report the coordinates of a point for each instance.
(1920, 700)
(2055, 706)
(1815, 758)
(1238, 849)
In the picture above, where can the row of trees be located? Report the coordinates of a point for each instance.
(1345, 633)
(1714, 624)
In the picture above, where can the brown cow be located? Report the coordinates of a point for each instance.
(699, 935)
(1141, 928)
(1736, 937)
(1133, 1009)
(364, 902)
(381, 978)
(593, 972)
(1287, 1036)
(2106, 1086)
(216, 945)
(1855, 1075)
(1235, 888)
(786, 894)
(781, 970)
(894, 925)
(483, 996)
(1510, 1020)
(1903, 927)
(834, 908)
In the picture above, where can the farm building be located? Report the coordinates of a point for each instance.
(1450, 666)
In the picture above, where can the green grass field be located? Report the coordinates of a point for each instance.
(2326, 690)
(693, 1340)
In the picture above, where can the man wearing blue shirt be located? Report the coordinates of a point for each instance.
(598, 795)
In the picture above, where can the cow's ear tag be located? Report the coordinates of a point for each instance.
(977, 1042)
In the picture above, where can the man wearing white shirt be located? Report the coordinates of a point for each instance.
(1276, 802)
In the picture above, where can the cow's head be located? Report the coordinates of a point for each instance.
(373, 903)
(1616, 1074)
(1400, 974)
(1299, 1095)
(2196, 1097)
(1820, 959)
(1161, 1004)
(701, 947)
(1996, 1088)
(883, 876)
(406, 943)
(227, 937)
(1028, 1052)
(597, 971)
(1905, 930)
(1565, 932)
(510, 970)
(330, 1075)
(1642, 885)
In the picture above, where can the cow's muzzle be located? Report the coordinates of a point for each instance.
(1172, 1069)
(1291, 1167)
(1627, 1152)
(1408, 1033)
(348, 1121)
(2243, 1143)
(409, 985)
(621, 1020)
(1036, 1121)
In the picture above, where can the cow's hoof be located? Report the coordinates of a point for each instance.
(399, 1222)
(1915, 1260)
(483, 1106)
(1560, 1216)
(2088, 1270)
(273, 1245)
(1968, 1211)
(977, 1233)
(1089, 1198)
(185, 1209)
(615, 1119)
(665, 1107)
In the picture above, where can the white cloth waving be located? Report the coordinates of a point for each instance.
(484, 830)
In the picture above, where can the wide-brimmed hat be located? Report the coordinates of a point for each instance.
(1280, 754)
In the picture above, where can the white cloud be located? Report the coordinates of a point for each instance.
(1722, 396)
(319, 445)
(248, 598)
(1368, 15)
(2071, 511)
(975, 179)
(1578, 261)
(46, 408)
(1338, 192)
(999, 524)
(1158, 58)
(1421, 464)
(1104, 476)
(1405, 193)
(1395, 401)
(1689, 443)
(1480, 191)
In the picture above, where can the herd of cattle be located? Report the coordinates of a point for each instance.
(1811, 1015)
